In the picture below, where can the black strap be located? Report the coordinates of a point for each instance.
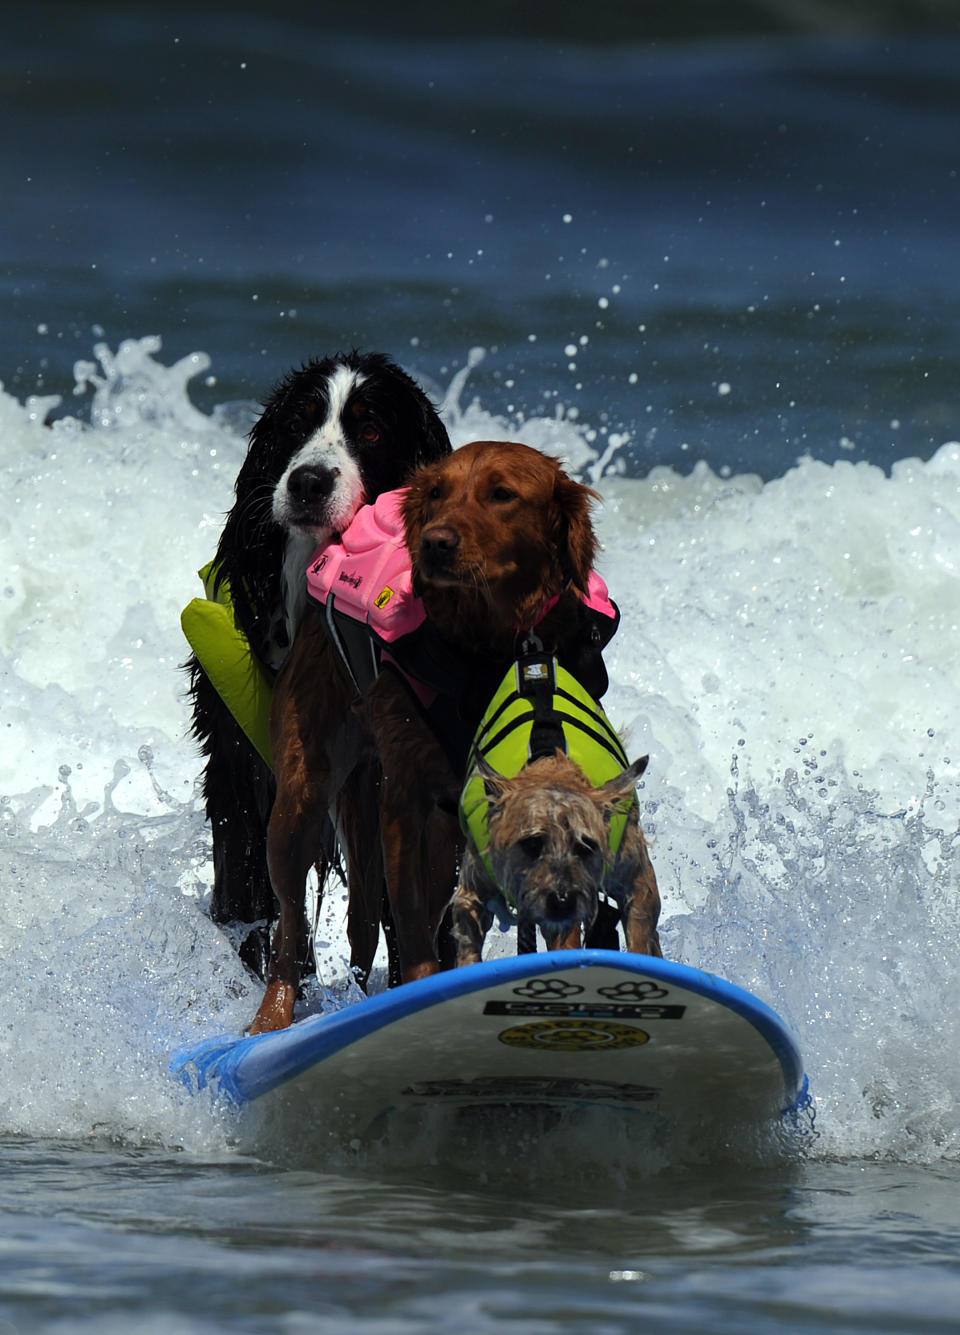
(352, 640)
(603, 933)
(536, 676)
(526, 938)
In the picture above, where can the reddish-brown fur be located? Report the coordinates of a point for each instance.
(495, 532)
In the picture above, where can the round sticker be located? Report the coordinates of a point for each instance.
(573, 1035)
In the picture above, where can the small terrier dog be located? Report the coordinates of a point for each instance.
(550, 855)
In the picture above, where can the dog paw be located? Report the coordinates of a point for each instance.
(276, 1009)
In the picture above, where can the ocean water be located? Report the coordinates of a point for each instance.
(718, 277)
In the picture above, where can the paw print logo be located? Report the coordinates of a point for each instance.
(641, 990)
(547, 989)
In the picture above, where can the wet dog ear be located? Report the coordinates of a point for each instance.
(495, 784)
(434, 443)
(574, 501)
(412, 511)
(411, 506)
(615, 791)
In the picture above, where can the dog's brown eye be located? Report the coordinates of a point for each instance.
(370, 433)
(434, 493)
(586, 848)
(532, 845)
(503, 494)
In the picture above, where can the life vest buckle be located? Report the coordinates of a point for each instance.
(536, 674)
(531, 643)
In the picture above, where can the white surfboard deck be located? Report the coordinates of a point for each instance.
(578, 1029)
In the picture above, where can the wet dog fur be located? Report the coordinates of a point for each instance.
(550, 852)
(497, 532)
(333, 434)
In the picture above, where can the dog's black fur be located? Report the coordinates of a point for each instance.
(332, 436)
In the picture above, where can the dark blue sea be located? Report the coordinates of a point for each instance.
(709, 258)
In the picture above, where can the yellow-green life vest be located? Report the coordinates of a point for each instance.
(226, 657)
(537, 709)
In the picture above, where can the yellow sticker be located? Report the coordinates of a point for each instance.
(384, 596)
(573, 1035)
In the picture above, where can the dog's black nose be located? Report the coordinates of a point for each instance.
(439, 540)
(308, 484)
(560, 903)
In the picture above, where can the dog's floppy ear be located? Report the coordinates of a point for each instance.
(412, 511)
(615, 791)
(495, 783)
(579, 542)
(434, 443)
(421, 420)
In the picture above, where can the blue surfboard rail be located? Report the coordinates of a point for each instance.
(244, 1067)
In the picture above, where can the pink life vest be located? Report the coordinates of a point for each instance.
(368, 573)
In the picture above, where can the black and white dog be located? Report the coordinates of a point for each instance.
(332, 436)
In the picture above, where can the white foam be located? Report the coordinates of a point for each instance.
(787, 656)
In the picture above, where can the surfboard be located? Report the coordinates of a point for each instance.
(568, 1029)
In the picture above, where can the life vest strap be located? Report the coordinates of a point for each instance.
(537, 680)
(358, 649)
